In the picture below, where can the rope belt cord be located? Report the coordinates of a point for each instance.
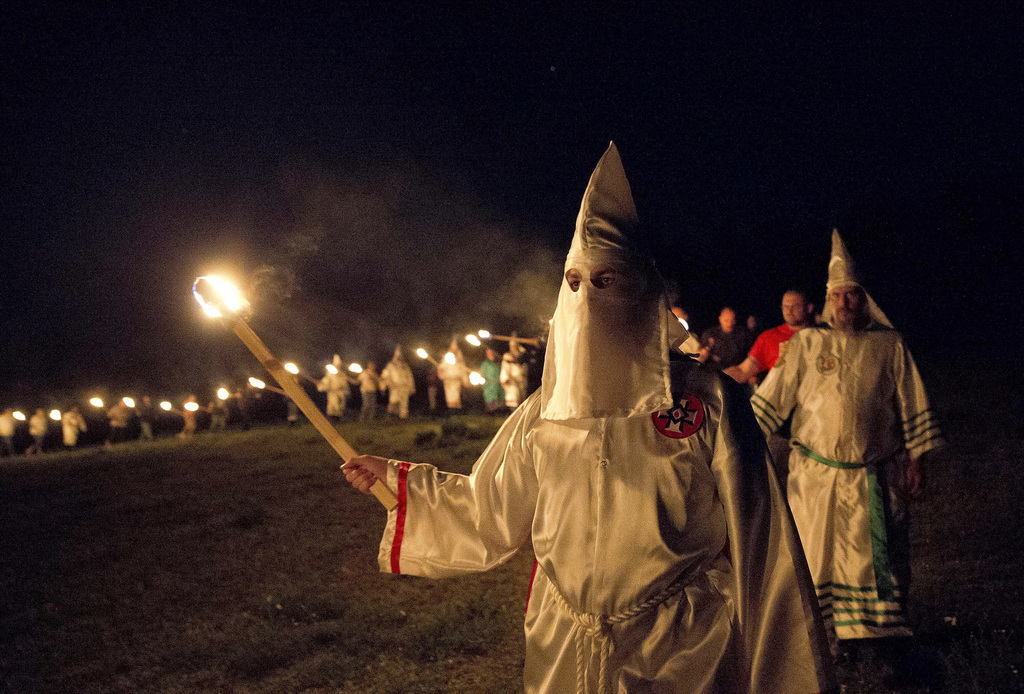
(598, 628)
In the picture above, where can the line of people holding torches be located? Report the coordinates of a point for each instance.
(443, 387)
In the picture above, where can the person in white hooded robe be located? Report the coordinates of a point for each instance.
(335, 384)
(861, 424)
(72, 424)
(666, 558)
(513, 374)
(397, 378)
(454, 374)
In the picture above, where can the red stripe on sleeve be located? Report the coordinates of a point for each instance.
(529, 590)
(396, 544)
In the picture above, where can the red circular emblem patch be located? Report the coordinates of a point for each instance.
(682, 420)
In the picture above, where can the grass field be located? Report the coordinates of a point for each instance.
(240, 562)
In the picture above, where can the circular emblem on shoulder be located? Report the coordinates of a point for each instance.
(682, 420)
(826, 364)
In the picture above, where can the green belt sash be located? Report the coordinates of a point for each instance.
(879, 532)
(831, 463)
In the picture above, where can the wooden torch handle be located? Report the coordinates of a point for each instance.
(292, 389)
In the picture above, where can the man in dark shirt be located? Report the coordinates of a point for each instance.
(726, 344)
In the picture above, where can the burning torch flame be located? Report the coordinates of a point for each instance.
(230, 299)
(476, 378)
(355, 368)
(227, 296)
(191, 406)
(55, 415)
(165, 406)
(473, 340)
(96, 402)
(257, 383)
(331, 369)
(450, 358)
(20, 416)
(223, 393)
(293, 369)
(422, 354)
(484, 334)
(130, 402)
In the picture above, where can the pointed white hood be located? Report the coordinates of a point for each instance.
(843, 273)
(607, 353)
(454, 349)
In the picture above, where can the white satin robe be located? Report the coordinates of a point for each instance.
(666, 563)
(336, 387)
(397, 378)
(513, 379)
(859, 409)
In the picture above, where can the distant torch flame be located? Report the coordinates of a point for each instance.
(355, 368)
(291, 368)
(473, 340)
(55, 415)
(165, 406)
(331, 369)
(223, 393)
(130, 402)
(484, 334)
(227, 297)
(20, 416)
(191, 406)
(96, 402)
(421, 353)
(450, 358)
(684, 324)
(256, 383)
(477, 379)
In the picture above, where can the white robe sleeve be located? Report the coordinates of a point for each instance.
(447, 524)
(775, 398)
(921, 431)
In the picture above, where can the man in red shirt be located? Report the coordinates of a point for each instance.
(797, 313)
(762, 357)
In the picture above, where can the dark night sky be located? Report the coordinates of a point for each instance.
(415, 172)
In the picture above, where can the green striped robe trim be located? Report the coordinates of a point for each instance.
(920, 429)
(766, 413)
(874, 614)
(869, 623)
(878, 528)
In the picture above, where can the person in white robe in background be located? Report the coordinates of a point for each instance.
(666, 558)
(72, 424)
(513, 375)
(397, 378)
(7, 428)
(336, 386)
(861, 424)
(454, 374)
(38, 425)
